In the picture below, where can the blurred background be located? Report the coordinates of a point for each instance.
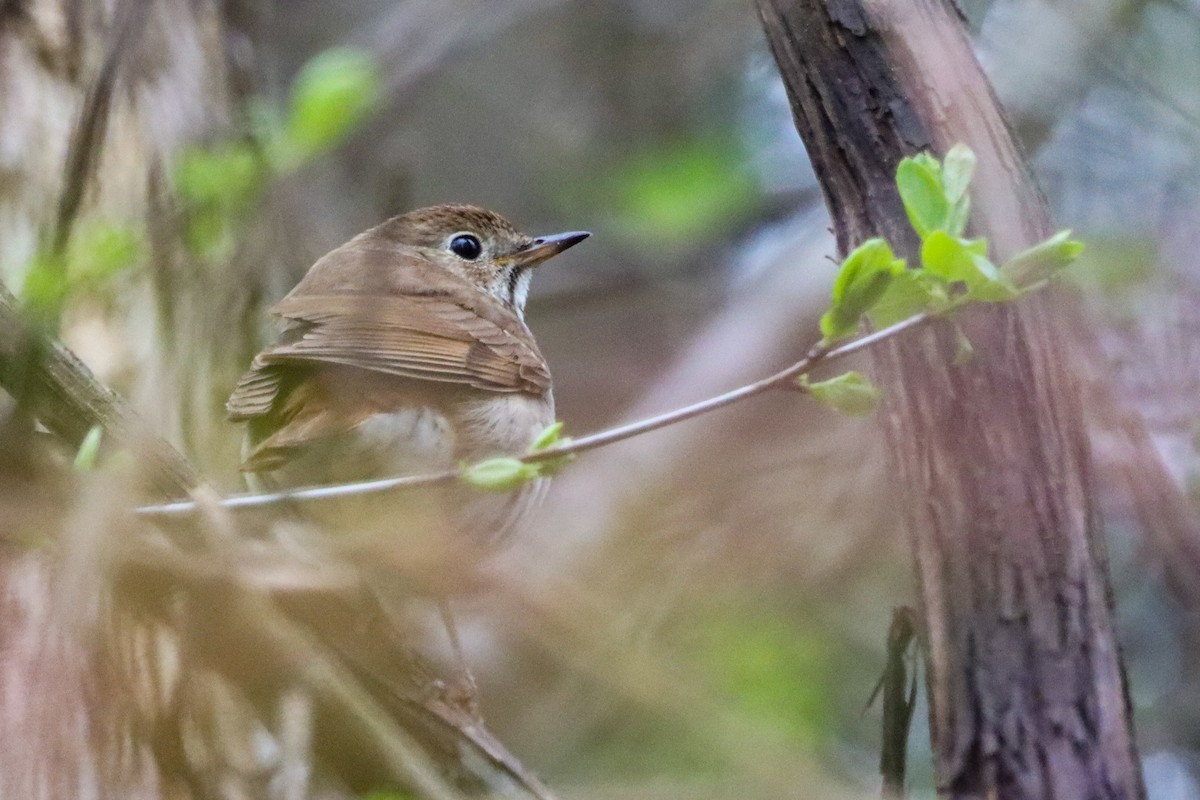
(702, 611)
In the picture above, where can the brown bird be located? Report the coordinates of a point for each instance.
(405, 350)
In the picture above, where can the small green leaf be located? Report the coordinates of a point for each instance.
(499, 474)
(960, 213)
(89, 450)
(989, 284)
(549, 437)
(228, 177)
(908, 293)
(977, 247)
(332, 94)
(922, 193)
(950, 259)
(850, 393)
(1043, 260)
(957, 170)
(861, 281)
(100, 250)
(676, 194)
(45, 288)
(926, 160)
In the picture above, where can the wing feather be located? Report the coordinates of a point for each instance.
(424, 338)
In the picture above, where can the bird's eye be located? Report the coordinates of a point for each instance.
(466, 246)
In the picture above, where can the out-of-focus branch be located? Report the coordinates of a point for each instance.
(87, 140)
(402, 733)
(43, 375)
(64, 395)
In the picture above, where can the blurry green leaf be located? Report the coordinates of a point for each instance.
(334, 92)
(208, 233)
(89, 450)
(861, 281)
(683, 192)
(775, 670)
(960, 212)
(100, 250)
(389, 794)
(849, 393)
(1043, 260)
(228, 176)
(977, 247)
(548, 437)
(907, 294)
(950, 258)
(499, 474)
(922, 193)
(45, 288)
(925, 160)
(957, 170)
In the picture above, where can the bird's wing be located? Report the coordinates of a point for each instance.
(426, 338)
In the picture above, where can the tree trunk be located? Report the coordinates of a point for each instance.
(1026, 687)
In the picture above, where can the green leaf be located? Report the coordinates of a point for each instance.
(926, 160)
(549, 437)
(957, 170)
(850, 393)
(45, 288)
(862, 279)
(499, 474)
(951, 259)
(1042, 261)
(228, 177)
(681, 193)
(922, 193)
(100, 250)
(908, 293)
(960, 213)
(978, 246)
(89, 450)
(332, 94)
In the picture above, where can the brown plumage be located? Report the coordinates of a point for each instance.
(405, 349)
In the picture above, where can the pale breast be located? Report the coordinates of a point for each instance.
(500, 424)
(420, 439)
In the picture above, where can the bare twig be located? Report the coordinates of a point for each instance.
(819, 354)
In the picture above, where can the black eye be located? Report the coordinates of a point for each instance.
(466, 246)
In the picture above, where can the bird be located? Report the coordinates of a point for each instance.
(405, 350)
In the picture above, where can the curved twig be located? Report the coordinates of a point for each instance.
(819, 354)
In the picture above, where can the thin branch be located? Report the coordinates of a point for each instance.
(819, 354)
(88, 137)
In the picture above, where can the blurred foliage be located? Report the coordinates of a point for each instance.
(333, 93)
(680, 192)
(97, 253)
(219, 185)
(849, 393)
(780, 673)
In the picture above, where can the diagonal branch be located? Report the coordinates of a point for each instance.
(818, 355)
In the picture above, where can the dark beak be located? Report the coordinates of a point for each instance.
(544, 247)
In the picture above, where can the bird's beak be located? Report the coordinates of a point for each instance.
(544, 247)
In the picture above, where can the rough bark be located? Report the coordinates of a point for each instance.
(1027, 696)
